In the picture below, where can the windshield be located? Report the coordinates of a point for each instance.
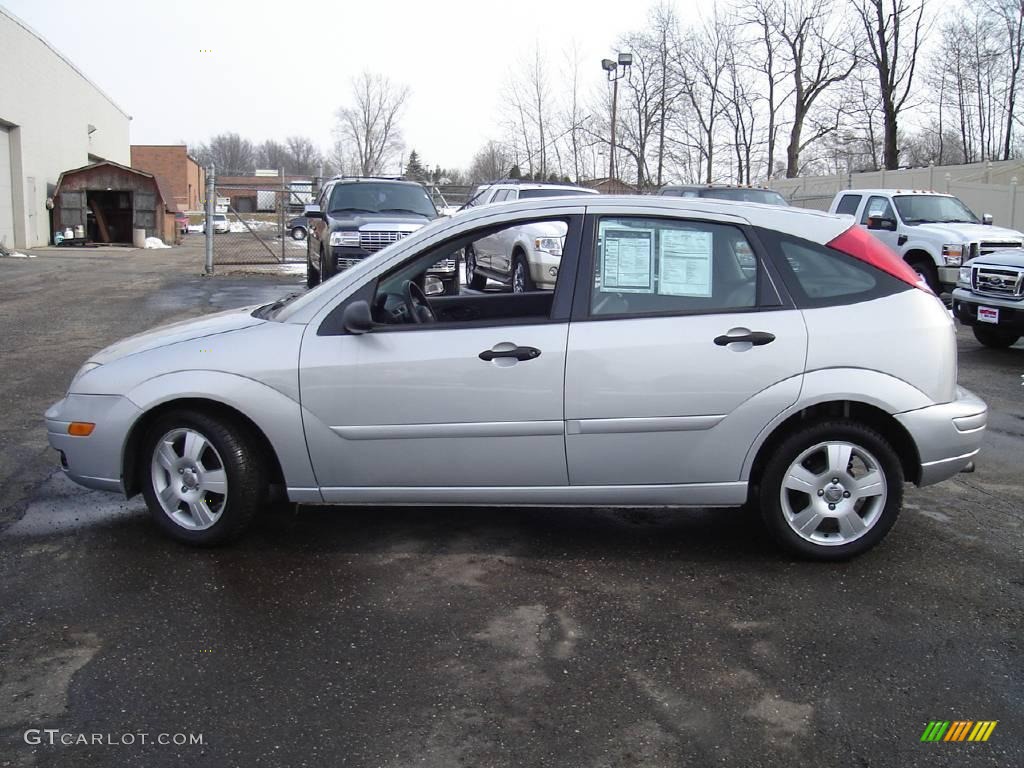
(524, 194)
(372, 197)
(746, 195)
(933, 209)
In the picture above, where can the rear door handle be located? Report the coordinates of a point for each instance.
(519, 353)
(756, 338)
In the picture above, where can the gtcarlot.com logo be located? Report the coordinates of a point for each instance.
(55, 737)
(958, 730)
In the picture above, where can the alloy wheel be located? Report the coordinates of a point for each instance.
(189, 479)
(833, 493)
(519, 278)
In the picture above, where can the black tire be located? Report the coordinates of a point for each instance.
(927, 270)
(312, 275)
(326, 273)
(474, 279)
(298, 233)
(787, 452)
(995, 338)
(451, 287)
(519, 263)
(244, 464)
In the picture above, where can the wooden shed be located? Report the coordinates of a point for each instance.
(110, 200)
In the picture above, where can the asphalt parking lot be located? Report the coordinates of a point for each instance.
(479, 637)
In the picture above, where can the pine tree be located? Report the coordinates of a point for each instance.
(414, 168)
(515, 173)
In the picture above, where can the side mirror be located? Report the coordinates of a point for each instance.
(986, 218)
(313, 212)
(357, 319)
(879, 222)
(433, 286)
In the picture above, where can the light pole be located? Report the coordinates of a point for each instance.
(616, 70)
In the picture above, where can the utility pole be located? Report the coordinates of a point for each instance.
(211, 194)
(616, 70)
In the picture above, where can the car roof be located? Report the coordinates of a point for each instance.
(373, 179)
(717, 186)
(893, 192)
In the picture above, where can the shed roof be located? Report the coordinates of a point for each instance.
(168, 201)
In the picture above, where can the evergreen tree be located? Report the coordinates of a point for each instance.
(414, 168)
(515, 173)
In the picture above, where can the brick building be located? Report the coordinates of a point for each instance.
(179, 173)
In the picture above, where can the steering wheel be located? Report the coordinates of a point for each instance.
(417, 303)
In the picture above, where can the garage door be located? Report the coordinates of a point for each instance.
(6, 200)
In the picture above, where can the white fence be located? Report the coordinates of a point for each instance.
(985, 187)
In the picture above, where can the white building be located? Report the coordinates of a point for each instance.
(52, 118)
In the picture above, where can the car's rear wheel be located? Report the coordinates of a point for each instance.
(474, 279)
(204, 477)
(831, 490)
(521, 280)
(995, 338)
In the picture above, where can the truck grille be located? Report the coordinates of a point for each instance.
(1001, 282)
(374, 241)
(347, 262)
(998, 245)
(444, 265)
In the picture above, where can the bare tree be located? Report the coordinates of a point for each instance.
(894, 31)
(528, 96)
(766, 57)
(492, 161)
(1010, 14)
(271, 154)
(230, 154)
(371, 125)
(304, 157)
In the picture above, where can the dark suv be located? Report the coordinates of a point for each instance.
(725, 192)
(354, 217)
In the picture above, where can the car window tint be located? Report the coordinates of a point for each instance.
(848, 204)
(823, 273)
(877, 206)
(653, 266)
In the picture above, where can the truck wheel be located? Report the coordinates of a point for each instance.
(994, 338)
(521, 280)
(831, 490)
(474, 279)
(927, 270)
(312, 275)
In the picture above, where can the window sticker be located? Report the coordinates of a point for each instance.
(626, 260)
(684, 263)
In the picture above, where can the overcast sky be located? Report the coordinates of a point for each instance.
(280, 68)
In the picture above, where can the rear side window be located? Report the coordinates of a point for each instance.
(848, 204)
(819, 276)
(652, 266)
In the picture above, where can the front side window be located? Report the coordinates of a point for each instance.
(877, 208)
(527, 193)
(379, 197)
(653, 266)
(848, 204)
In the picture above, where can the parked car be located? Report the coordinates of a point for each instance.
(298, 227)
(934, 233)
(523, 259)
(220, 224)
(356, 217)
(658, 372)
(989, 297)
(181, 222)
(724, 192)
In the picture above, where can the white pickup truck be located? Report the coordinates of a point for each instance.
(933, 232)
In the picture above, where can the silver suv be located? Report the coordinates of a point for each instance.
(692, 353)
(524, 258)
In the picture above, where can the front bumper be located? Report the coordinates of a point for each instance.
(95, 461)
(948, 436)
(965, 308)
(948, 276)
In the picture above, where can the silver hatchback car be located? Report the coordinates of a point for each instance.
(693, 352)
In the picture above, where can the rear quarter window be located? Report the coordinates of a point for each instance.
(848, 204)
(819, 276)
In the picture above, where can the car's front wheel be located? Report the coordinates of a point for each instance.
(995, 338)
(312, 275)
(203, 478)
(521, 280)
(831, 490)
(298, 233)
(474, 279)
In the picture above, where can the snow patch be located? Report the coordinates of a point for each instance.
(155, 242)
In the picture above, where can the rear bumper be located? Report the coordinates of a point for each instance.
(948, 436)
(94, 461)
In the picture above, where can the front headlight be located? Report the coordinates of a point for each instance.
(348, 239)
(953, 253)
(964, 278)
(552, 245)
(86, 367)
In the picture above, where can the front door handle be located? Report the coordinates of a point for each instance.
(500, 350)
(756, 338)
